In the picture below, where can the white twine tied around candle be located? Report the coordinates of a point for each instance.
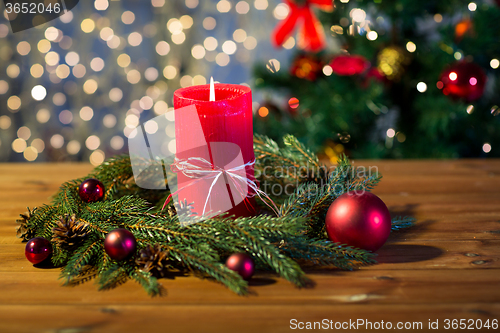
(200, 169)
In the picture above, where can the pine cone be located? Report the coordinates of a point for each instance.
(23, 231)
(183, 208)
(171, 211)
(153, 259)
(69, 232)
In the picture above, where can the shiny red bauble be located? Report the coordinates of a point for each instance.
(463, 80)
(37, 250)
(242, 264)
(349, 65)
(91, 190)
(120, 244)
(359, 219)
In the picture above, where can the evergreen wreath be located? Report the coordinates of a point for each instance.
(166, 248)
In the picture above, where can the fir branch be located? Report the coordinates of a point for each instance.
(269, 254)
(274, 243)
(206, 265)
(402, 222)
(81, 257)
(267, 150)
(148, 282)
(112, 277)
(87, 273)
(296, 146)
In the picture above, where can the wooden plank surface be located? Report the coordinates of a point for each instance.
(446, 267)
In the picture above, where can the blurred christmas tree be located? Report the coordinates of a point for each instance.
(397, 79)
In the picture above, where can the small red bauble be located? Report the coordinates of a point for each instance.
(242, 264)
(91, 190)
(463, 80)
(120, 244)
(37, 250)
(360, 220)
(349, 64)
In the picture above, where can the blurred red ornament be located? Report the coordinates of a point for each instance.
(91, 190)
(37, 250)
(374, 74)
(349, 64)
(311, 36)
(463, 80)
(306, 67)
(360, 220)
(120, 244)
(462, 28)
(242, 264)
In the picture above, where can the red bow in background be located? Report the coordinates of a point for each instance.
(311, 35)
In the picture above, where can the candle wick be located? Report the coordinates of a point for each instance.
(212, 90)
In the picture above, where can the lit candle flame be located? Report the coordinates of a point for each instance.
(212, 90)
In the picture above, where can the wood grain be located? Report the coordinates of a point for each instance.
(447, 266)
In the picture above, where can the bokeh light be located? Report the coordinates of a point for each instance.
(14, 103)
(86, 113)
(13, 71)
(23, 48)
(93, 142)
(73, 147)
(223, 6)
(19, 145)
(242, 7)
(229, 47)
(123, 60)
(170, 72)
(261, 4)
(5, 122)
(293, 102)
(90, 86)
(57, 141)
(4, 86)
(372, 35)
(43, 116)
(117, 142)
(411, 47)
(273, 66)
(198, 51)
(128, 17)
(162, 48)
(97, 157)
(209, 23)
(109, 121)
(263, 111)
(87, 25)
(421, 87)
(24, 132)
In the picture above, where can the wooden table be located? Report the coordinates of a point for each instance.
(447, 267)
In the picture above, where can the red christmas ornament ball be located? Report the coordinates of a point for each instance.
(463, 80)
(91, 190)
(37, 250)
(120, 244)
(349, 65)
(242, 264)
(360, 220)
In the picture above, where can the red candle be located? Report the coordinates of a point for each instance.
(227, 119)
